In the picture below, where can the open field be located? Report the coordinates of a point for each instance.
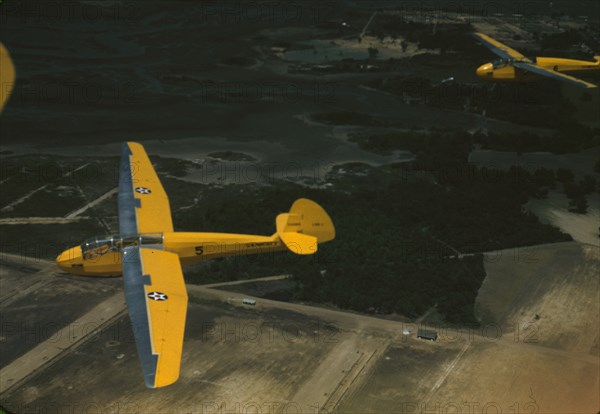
(582, 227)
(284, 356)
(545, 294)
(37, 316)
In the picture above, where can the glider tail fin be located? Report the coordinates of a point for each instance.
(304, 227)
(597, 59)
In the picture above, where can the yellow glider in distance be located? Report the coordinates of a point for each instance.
(514, 67)
(149, 255)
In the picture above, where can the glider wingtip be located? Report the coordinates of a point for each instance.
(157, 381)
(150, 381)
(162, 382)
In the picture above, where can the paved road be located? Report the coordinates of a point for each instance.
(26, 261)
(42, 220)
(41, 276)
(92, 203)
(241, 282)
(26, 196)
(62, 342)
(364, 30)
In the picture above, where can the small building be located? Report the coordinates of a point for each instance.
(427, 334)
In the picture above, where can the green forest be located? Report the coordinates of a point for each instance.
(399, 229)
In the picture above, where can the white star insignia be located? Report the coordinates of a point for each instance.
(157, 296)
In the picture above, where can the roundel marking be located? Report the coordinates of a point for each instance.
(157, 296)
(143, 190)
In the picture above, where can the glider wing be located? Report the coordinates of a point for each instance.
(143, 203)
(500, 49)
(553, 74)
(157, 301)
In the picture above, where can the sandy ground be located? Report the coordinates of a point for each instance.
(547, 295)
(37, 305)
(584, 228)
(545, 365)
(492, 377)
(50, 342)
(283, 357)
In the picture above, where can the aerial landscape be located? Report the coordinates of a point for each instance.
(447, 152)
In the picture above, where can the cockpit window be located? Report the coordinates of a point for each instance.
(499, 63)
(98, 246)
(93, 248)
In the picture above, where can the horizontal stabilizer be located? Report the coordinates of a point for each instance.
(299, 243)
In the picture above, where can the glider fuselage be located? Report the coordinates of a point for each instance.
(102, 256)
(503, 71)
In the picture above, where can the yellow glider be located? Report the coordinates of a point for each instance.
(7, 76)
(149, 255)
(514, 67)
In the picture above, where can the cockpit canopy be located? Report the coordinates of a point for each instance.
(98, 246)
(500, 63)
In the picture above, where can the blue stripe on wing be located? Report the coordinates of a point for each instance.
(500, 52)
(127, 202)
